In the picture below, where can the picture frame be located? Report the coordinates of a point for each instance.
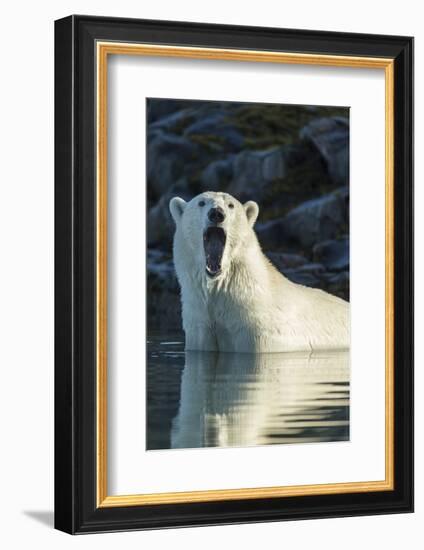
(83, 45)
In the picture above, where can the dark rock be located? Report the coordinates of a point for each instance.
(274, 164)
(217, 175)
(286, 261)
(334, 254)
(216, 128)
(315, 268)
(254, 170)
(270, 234)
(247, 175)
(163, 294)
(160, 224)
(308, 275)
(331, 137)
(160, 270)
(318, 219)
(311, 222)
(168, 155)
(337, 284)
(158, 108)
(174, 122)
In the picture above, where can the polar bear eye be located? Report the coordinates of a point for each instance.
(231, 205)
(201, 203)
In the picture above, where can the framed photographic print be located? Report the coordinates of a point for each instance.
(234, 268)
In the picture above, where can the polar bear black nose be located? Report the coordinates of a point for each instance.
(216, 215)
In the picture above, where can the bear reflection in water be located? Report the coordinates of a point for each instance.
(233, 399)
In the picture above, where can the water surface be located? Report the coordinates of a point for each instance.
(204, 399)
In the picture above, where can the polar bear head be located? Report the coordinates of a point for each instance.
(214, 228)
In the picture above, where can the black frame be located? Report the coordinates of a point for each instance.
(75, 275)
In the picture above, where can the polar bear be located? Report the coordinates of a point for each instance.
(233, 298)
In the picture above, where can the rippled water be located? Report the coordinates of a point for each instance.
(201, 399)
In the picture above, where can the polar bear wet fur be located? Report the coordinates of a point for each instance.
(233, 298)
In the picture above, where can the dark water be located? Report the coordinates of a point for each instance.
(201, 399)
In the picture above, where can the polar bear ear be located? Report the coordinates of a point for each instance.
(177, 207)
(252, 211)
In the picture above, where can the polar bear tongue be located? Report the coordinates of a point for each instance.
(214, 243)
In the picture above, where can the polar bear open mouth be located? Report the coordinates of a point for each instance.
(214, 239)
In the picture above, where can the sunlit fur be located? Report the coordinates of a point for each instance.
(249, 306)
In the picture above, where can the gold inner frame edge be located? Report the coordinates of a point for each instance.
(103, 49)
